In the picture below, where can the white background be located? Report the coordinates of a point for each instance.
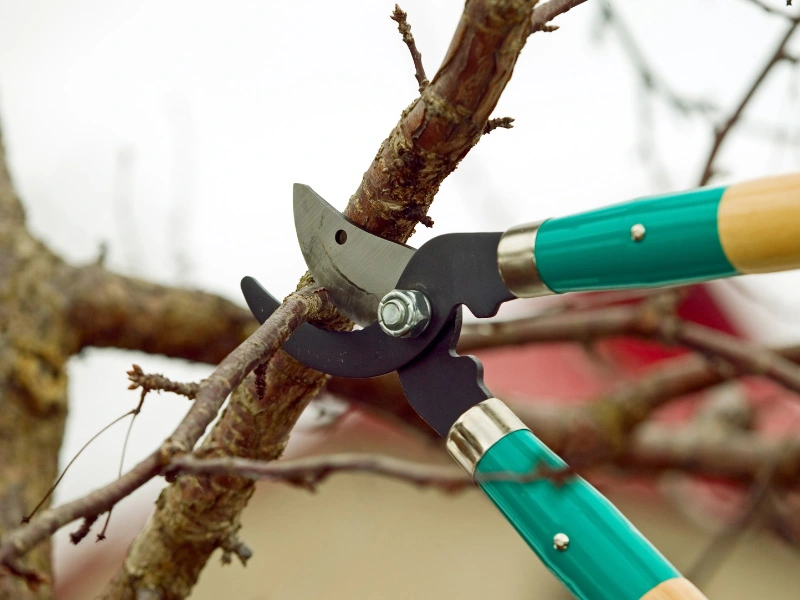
(173, 131)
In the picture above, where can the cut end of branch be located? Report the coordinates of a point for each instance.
(76, 537)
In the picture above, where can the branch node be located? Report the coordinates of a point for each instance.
(501, 122)
(76, 537)
(232, 545)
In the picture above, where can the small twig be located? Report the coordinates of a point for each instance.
(135, 412)
(28, 517)
(502, 122)
(156, 381)
(721, 132)
(544, 13)
(405, 29)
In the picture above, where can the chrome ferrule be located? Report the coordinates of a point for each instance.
(516, 260)
(478, 429)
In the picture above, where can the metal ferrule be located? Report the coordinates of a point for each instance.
(516, 259)
(479, 429)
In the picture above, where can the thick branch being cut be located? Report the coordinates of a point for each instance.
(443, 124)
(432, 137)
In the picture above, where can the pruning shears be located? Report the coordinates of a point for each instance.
(408, 302)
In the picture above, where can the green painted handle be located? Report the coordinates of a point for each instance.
(677, 238)
(606, 557)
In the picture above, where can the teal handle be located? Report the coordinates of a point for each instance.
(606, 557)
(678, 243)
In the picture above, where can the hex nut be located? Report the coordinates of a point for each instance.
(404, 313)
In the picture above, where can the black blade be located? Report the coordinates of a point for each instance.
(439, 384)
(367, 352)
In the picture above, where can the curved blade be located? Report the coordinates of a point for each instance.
(356, 267)
(365, 352)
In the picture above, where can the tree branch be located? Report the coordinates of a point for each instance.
(602, 426)
(210, 396)
(438, 129)
(109, 310)
(741, 456)
(721, 132)
(309, 472)
(646, 320)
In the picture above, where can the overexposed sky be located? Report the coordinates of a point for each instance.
(173, 131)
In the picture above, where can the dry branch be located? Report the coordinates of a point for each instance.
(111, 310)
(602, 427)
(210, 396)
(740, 456)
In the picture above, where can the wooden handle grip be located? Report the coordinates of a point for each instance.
(675, 589)
(759, 224)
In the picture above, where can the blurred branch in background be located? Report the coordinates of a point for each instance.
(722, 130)
(653, 85)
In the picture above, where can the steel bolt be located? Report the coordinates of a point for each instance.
(404, 313)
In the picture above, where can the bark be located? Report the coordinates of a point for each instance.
(34, 338)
